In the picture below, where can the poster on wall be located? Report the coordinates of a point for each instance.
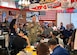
(0, 18)
(10, 18)
(53, 5)
(0, 11)
(12, 13)
(0, 15)
(30, 14)
(3, 16)
(20, 16)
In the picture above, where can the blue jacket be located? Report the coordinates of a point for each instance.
(59, 51)
(67, 33)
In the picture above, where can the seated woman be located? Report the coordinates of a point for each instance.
(20, 42)
(21, 33)
(42, 49)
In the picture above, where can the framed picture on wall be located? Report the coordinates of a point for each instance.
(0, 15)
(20, 16)
(0, 12)
(0, 18)
(12, 13)
(29, 14)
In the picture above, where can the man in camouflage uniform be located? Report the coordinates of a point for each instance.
(33, 29)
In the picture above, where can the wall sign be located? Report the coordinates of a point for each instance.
(55, 5)
(47, 6)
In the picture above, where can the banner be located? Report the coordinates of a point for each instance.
(55, 5)
(47, 6)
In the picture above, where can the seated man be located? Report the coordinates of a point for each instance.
(42, 49)
(57, 49)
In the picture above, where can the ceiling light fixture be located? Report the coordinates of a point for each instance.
(24, 3)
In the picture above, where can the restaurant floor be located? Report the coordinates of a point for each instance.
(73, 53)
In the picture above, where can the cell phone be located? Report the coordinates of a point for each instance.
(34, 49)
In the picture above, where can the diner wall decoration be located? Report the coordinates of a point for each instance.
(0, 18)
(20, 16)
(30, 14)
(3, 16)
(0, 12)
(65, 4)
(0, 15)
(54, 5)
(10, 18)
(74, 4)
(12, 13)
(48, 15)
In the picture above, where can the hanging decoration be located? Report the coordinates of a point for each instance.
(74, 4)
